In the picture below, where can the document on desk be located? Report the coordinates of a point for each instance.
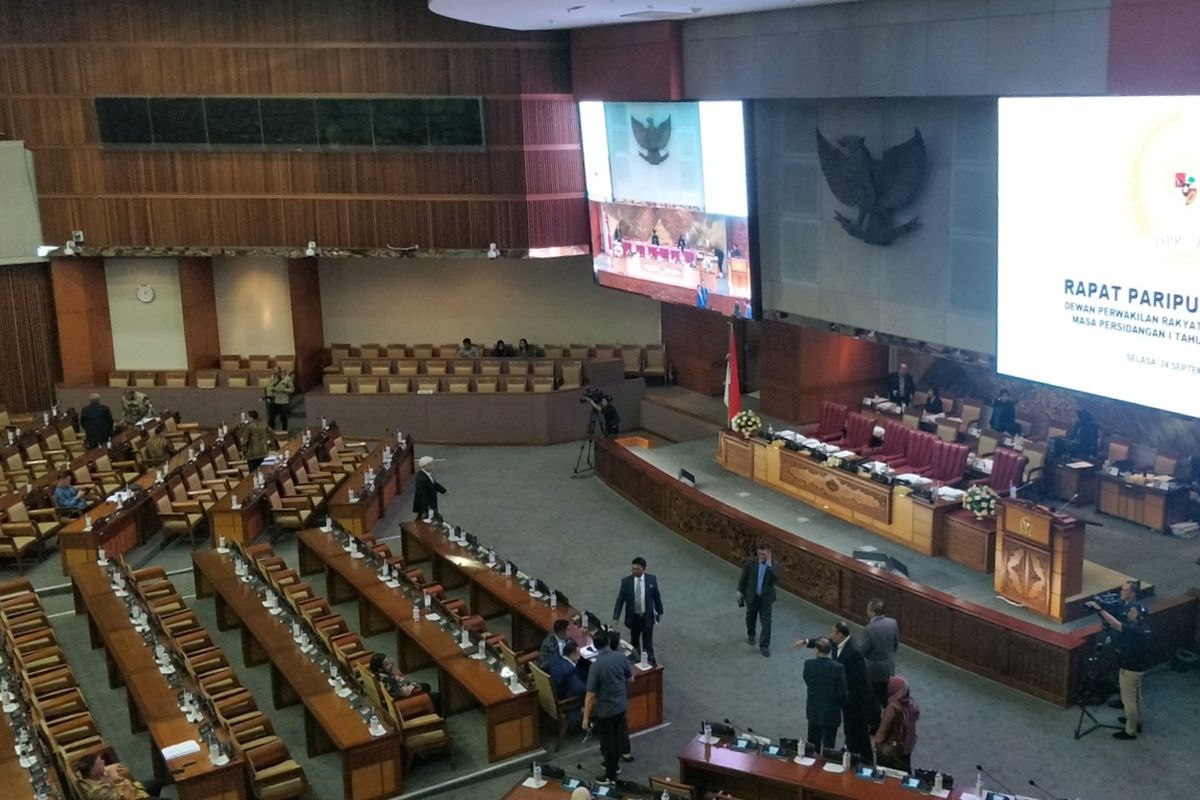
(180, 750)
(589, 651)
(1080, 465)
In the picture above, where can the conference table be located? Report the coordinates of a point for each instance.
(493, 594)
(13, 777)
(553, 790)
(512, 719)
(359, 517)
(153, 706)
(1138, 499)
(371, 765)
(712, 768)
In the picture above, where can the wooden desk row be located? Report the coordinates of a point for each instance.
(360, 516)
(512, 719)
(492, 594)
(153, 706)
(371, 765)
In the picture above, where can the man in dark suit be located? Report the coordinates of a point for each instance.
(565, 674)
(900, 386)
(642, 602)
(756, 591)
(425, 494)
(860, 700)
(826, 682)
(881, 640)
(96, 419)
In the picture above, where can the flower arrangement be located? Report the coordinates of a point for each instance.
(747, 423)
(981, 500)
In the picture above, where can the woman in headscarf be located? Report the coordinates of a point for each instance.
(896, 737)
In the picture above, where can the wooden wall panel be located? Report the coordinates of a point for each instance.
(644, 62)
(132, 198)
(28, 341)
(199, 297)
(81, 314)
(308, 325)
(697, 343)
(801, 367)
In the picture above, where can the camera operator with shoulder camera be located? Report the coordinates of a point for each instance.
(1133, 653)
(602, 404)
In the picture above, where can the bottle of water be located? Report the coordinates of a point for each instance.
(553, 599)
(537, 773)
(846, 760)
(979, 785)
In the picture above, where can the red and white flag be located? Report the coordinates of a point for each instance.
(733, 388)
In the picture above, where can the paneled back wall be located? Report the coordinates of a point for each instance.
(28, 341)
(416, 300)
(524, 188)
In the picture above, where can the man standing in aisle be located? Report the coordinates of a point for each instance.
(607, 701)
(279, 397)
(756, 592)
(97, 422)
(881, 640)
(425, 494)
(826, 682)
(643, 607)
(860, 698)
(1133, 643)
(256, 440)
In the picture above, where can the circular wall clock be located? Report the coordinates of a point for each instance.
(145, 293)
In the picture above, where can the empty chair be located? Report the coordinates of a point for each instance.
(519, 366)
(337, 384)
(229, 362)
(543, 368)
(366, 385)
(486, 384)
(577, 351)
(175, 379)
(833, 421)
(394, 351)
(490, 366)
(462, 367)
(448, 350)
(398, 385)
(237, 380)
(438, 367)
(144, 379)
(631, 354)
(606, 351)
(422, 351)
(514, 384)
(274, 774)
(458, 384)
(259, 362)
(369, 351)
(947, 430)
(1008, 470)
(859, 428)
(352, 366)
(918, 454)
(948, 463)
(672, 789)
(1165, 464)
(554, 351)
(1119, 449)
(656, 362)
(287, 363)
(989, 440)
(542, 384)
(381, 366)
(428, 385)
(118, 378)
(911, 417)
(572, 374)
(338, 351)
(206, 378)
(408, 367)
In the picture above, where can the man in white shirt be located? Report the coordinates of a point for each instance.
(642, 602)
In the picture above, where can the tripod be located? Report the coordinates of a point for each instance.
(586, 448)
(1090, 668)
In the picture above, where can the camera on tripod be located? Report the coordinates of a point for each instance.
(1110, 602)
(595, 396)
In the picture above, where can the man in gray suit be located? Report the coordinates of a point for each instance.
(881, 640)
(826, 682)
(756, 591)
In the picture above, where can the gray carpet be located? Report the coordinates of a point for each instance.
(579, 537)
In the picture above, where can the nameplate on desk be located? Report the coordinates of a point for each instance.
(744, 745)
(916, 784)
(572, 783)
(775, 751)
(804, 761)
(869, 773)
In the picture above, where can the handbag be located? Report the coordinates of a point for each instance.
(890, 750)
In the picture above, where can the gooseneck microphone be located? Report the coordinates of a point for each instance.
(1049, 794)
(994, 779)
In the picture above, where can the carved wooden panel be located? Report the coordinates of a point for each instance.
(1026, 574)
(736, 455)
(867, 497)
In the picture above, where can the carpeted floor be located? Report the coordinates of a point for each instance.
(580, 537)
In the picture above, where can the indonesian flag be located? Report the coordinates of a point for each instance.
(733, 389)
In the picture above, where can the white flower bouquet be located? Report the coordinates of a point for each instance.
(980, 500)
(747, 423)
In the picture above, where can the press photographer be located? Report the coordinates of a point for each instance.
(602, 404)
(1133, 645)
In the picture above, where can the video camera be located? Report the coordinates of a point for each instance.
(595, 395)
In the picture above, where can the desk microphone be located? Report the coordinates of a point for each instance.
(591, 776)
(1074, 497)
(1045, 791)
(994, 779)
(746, 733)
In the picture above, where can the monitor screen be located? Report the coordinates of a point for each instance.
(1098, 272)
(669, 201)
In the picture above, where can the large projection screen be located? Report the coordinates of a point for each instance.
(1098, 282)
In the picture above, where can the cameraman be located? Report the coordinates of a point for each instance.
(602, 404)
(1133, 645)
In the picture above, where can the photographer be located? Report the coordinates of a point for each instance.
(1133, 644)
(602, 404)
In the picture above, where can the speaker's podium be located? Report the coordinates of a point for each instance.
(1039, 557)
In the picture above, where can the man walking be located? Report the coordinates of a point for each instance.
(881, 640)
(279, 392)
(426, 491)
(642, 602)
(96, 419)
(607, 701)
(256, 440)
(826, 682)
(756, 592)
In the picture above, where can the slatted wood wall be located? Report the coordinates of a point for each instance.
(28, 340)
(525, 189)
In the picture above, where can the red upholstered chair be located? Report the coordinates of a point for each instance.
(833, 421)
(859, 428)
(895, 438)
(949, 463)
(918, 454)
(1008, 469)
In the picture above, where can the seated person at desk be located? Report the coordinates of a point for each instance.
(502, 350)
(99, 780)
(552, 645)
(467, 350)
(398, 686)
(67, 497)
(135, 406)
(157, 451)
(1004, 414)
(525, 349)
(900, 386)
(1083, 440)
(565, 673)
(934, 404)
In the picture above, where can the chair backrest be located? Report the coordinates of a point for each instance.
(632, 356)
(372, 350)
(1165, 464)
(381, 367)
(486, 384)
(578, 351)
(396, 351)
(422, 350)
(398, 385)
(947, 431)
(337, 384)
(970, 411)
(237, 380)
(118, 378)
(1036, 455)
(911, 417)
(352, 366)
(230, 362)
(920, 397)
(490, 367)
(338, 351)
(175, 379)
(144, 379)
(1119, 448)
(206, 378)
(458, 384)
(448, 350)
(429, 384)
(833, 419)
(542, 384)
(1008, 469)
(949, 462)
(366, 385)
(408, 367)
(514, 384)
(895, 438)
(547, 699)
(1056, 428)
(259, 361)
(435, 367)
(656, 358)
(918, 453)
(859, 428)
(543, 368)
(572, 374)
(989, 440)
